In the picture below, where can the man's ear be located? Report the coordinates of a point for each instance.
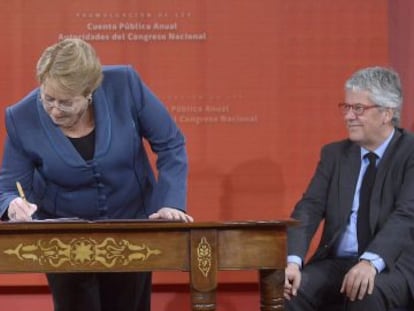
(389, 114)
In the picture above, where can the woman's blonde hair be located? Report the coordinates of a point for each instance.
(73, 65)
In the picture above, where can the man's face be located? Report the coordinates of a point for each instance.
(370, 128)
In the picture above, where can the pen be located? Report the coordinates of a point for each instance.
(20, 189)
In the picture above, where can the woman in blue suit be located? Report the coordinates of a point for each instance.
(75, 145)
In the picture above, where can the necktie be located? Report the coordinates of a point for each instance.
(363, 230)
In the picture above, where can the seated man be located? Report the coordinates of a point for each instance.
(363, 189)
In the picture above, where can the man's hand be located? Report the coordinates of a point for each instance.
(292, 280)
(359, 281)
(21, 210)
(171, 214)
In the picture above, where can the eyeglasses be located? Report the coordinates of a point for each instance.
(357, 109)
(62, 105)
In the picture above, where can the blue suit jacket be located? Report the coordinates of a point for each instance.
(118, 183)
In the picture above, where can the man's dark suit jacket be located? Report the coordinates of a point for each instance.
(330, 195)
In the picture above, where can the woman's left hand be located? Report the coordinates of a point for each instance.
(171, 214)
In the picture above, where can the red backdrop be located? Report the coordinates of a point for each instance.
(254, 85)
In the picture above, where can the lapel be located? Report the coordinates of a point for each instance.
(103, 123)
(382, 171)
(62, 144)
(349, 167)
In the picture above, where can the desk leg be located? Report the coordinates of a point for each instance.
(271, 290)
(203, 274)
(203, 301)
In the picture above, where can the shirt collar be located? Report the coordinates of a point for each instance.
(381, 149)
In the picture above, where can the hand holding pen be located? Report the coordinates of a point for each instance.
(19, 208)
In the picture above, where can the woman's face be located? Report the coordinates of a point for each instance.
(64, 110)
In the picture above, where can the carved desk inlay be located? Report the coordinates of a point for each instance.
(83, 251)
(204, 256)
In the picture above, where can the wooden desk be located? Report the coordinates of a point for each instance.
(199, 248)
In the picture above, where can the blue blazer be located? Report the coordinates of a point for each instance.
(118, 183)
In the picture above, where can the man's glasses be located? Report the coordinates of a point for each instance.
(357, 109)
